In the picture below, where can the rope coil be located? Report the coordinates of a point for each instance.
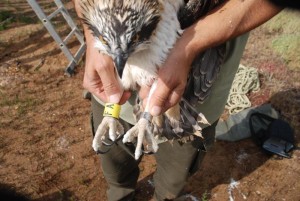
(245, 80)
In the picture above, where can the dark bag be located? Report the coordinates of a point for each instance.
(276, 137)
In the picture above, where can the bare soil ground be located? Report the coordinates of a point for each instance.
(45, 138)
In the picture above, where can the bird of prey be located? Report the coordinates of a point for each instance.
(138, 35)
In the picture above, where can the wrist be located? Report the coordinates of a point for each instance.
(184, 51)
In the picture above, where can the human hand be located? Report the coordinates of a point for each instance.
(172, 78)
(100, 77)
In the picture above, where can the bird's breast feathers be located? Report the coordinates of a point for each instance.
(142, 67)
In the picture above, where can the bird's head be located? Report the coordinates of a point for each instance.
(121, 27)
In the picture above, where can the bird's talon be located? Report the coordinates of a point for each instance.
(110, 126)
(106, 143)
(143, 131)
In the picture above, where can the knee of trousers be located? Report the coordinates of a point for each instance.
(119, 167)
(175, 163)
(169, 188)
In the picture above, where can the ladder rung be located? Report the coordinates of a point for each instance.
(62, 43)
(55, 13)
(69, 35)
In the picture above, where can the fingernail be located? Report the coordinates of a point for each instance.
(155, 111)
(114, 98)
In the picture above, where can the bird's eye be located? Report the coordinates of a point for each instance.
(102, 40)
(136, 38)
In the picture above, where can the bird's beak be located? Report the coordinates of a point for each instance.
(120, 61)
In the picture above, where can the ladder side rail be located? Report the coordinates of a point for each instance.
(42, 16)
(69, 20)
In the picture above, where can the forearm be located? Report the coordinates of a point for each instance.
(227, 21)
(87, 33)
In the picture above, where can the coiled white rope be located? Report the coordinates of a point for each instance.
(245, 80)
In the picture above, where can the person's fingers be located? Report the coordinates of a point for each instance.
(173, 99)
(144, 92)
(110, 81)
(126, 95)
(100, 77)
(167, 93)
(159, 98)
(92, 82)
(96, 88)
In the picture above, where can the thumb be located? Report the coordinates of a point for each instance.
(112, 89)
(159, 98)
(164, 97)
(110, 81)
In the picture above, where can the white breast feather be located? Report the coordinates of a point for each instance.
(141, 68)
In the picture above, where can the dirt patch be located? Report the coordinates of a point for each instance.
(45, 138)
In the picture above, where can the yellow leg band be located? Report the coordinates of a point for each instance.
(112, 110)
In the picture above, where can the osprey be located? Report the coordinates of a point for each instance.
(138, 35)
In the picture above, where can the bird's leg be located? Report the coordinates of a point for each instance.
(109, 124)
(143, 130)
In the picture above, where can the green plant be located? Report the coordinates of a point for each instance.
(6, 18)
(22, 105)
(5, 14)
(287, 46)
(204, 196)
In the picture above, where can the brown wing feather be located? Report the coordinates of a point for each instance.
(204, 72)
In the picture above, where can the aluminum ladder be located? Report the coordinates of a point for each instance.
(73, 59)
